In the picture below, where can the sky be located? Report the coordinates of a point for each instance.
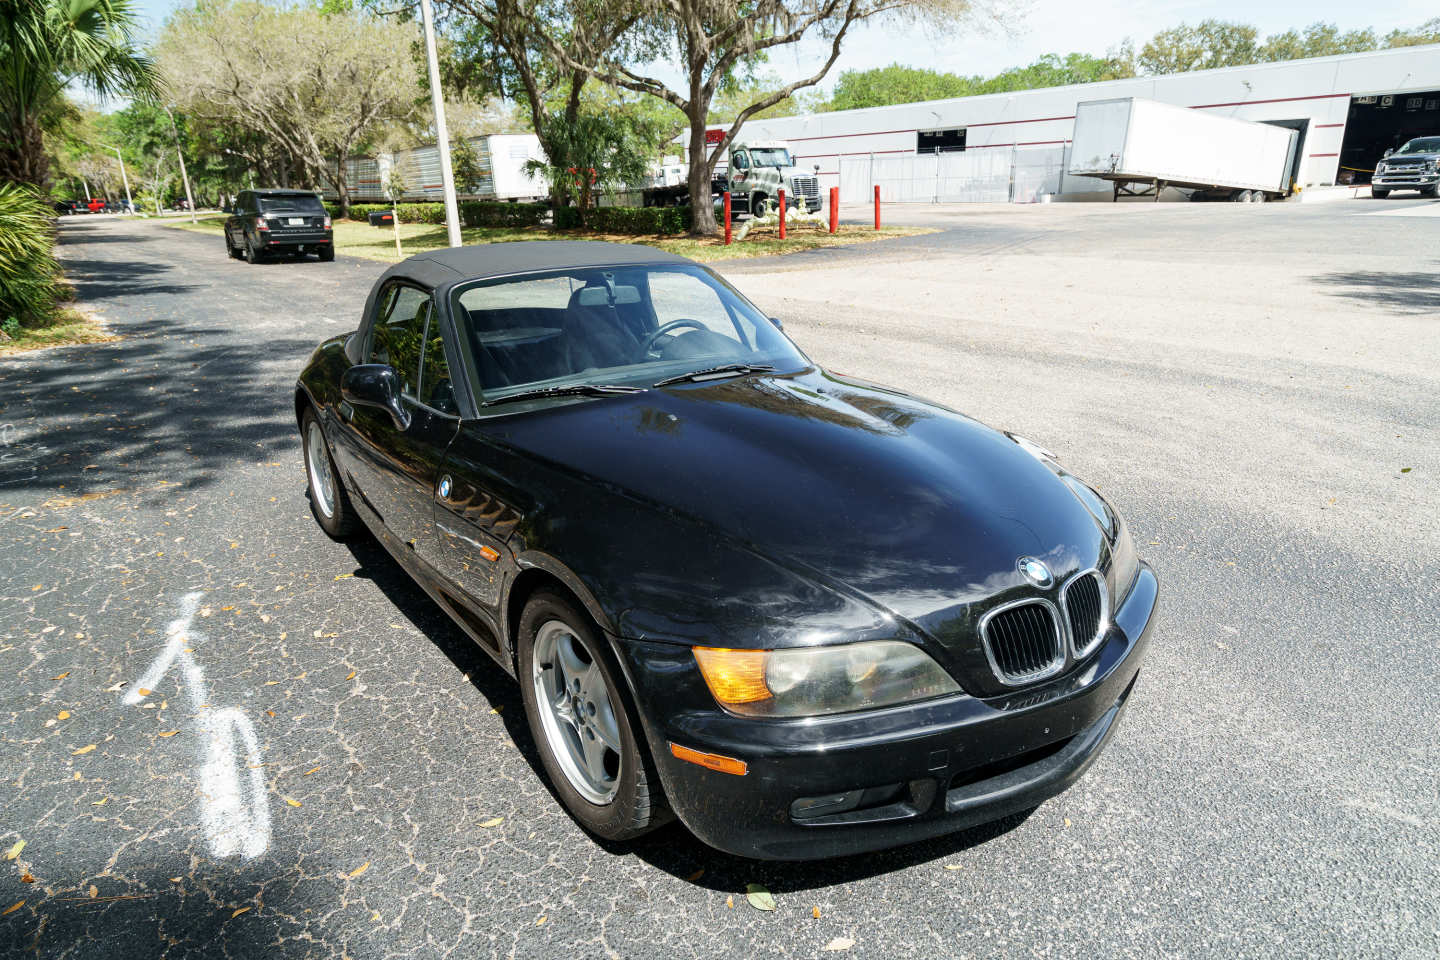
(1032, 28)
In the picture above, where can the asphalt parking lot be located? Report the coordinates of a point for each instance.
(1256, 387)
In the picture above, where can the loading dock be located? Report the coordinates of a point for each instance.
(1383, 121)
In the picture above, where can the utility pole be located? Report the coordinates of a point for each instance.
(437, 98)
(126, 180)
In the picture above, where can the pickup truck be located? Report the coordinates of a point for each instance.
(1415, 166)
(754, 173)
(263, 222)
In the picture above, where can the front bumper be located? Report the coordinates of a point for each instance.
(926, 769)
(1405, 181)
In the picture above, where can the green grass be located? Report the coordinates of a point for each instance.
(66, 326)
(378, 243)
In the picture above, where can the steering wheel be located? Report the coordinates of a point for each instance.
(666, 328)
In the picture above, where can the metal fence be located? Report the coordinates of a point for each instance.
(993, 175)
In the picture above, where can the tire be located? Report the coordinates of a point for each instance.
(1240, 196)
(252, 256)
(329, 502)
(327, 253)
(1430, 191)
(1259, 196)
(613, 793)
(759, 205)
(1379, 194)
(230, 250)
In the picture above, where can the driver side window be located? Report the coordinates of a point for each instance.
(399, 335)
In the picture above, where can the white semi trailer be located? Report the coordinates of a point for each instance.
(1143, 146)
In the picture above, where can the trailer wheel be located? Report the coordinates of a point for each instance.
(1240, 196)
(1258, 196)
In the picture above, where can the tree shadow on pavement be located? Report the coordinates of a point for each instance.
(1401, 292)
(672, 848)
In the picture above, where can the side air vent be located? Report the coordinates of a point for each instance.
(1022, 641)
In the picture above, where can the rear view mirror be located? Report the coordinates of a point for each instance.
(375, 385)
(600, 296)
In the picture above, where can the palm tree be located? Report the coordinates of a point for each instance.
(48, 45)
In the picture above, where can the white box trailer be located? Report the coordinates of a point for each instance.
(501, 160)
(1131, 140)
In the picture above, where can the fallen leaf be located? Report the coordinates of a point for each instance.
(539, 921)
(730, 902)
(696, 875)
(14, 851)
(12, 908)
(26, 878)
(360, 869)
(838, 944)
(1405, 469)
(345, 576)
(238, 912)
(167, 733)
(62, 676)
(101, 802)
(94, 891)
(953, 866)
(375, 915)
(350, 675)
(497, 709)
(224, 609)
(493, 822)
(759, 897)
(310, 771)
(271, 683)
(1067, 821)
(270, 713)
(142, 691)
(63, 715)
(293, 803)
(82, 751)
(815, 912)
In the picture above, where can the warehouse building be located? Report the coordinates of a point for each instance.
(1347, 109)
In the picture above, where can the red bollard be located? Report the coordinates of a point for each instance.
(834, 209)
(877, 206)
(727, 218)
(782, 213)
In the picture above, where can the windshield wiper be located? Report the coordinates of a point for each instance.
(571, 390)
(715, 373)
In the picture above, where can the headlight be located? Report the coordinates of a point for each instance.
(811, 681)
(1124, 563)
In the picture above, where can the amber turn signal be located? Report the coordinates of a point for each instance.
(710, 761)
(734, 676)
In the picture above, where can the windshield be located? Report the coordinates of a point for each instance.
(624, 326)
(770, 156)
(1421, 145)
(295, 203)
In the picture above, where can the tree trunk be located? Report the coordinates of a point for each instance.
(702, 207)
(22, 156)
(342, 190)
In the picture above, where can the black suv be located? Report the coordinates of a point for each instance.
(271, 221)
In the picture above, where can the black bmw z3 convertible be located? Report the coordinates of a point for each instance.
(806, 614)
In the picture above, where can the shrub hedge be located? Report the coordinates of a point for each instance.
(29, 273)
(489, 213)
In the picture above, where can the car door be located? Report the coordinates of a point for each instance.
(393, 467)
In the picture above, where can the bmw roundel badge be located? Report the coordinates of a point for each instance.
(1035, 571)
(445, 487)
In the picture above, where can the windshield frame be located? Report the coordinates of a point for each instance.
(1432, 146)
(643, 374)
(755, 153)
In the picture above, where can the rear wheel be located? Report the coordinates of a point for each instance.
(251, 254)
(1379, 194)
(1240, 196)
(328, 500)
(1258, 196)
(582, 724)
(327, 252)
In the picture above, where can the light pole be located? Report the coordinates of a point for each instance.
(437, 98)
(189, 197)
(126, 180)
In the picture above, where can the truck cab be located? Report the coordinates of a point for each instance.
(757, 171)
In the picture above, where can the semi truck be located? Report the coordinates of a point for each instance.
(1143, 146)
(753, 173)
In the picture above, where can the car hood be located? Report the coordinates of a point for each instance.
(871, 510)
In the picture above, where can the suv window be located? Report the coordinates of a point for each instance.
(292, 203)
(399, 334)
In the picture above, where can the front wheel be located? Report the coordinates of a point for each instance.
(759, 205)
(252, 256)
(328, 500)
(1430, 191)
(1379, 194)
(582, 726)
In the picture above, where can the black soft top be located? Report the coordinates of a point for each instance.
(451, 265)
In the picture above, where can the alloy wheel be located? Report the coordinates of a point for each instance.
(322, 479)
(577, 712)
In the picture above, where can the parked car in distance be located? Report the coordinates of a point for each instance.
(97, 205)
(266, 222)
(1415, 166)
(806, 614)
(67, 207)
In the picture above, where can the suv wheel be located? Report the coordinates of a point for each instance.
(251, 254)
(326, 252)
(580, 718)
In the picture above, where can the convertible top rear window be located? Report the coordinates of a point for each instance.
(625, 325)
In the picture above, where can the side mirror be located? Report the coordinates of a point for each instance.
(1387, 153)
(778, 324)
(375, 385)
